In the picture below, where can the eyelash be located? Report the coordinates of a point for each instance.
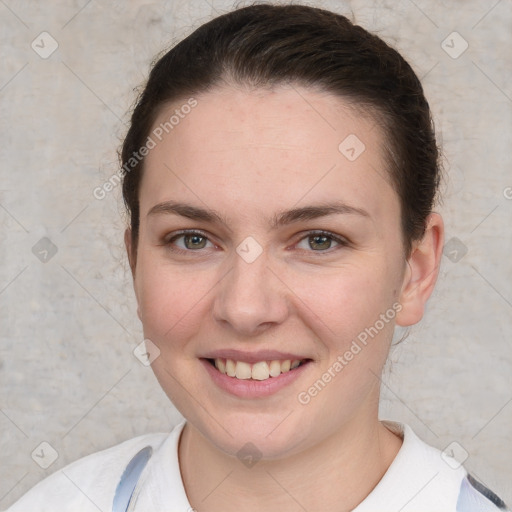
(168, 242)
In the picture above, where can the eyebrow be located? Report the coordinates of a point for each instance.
(280, 219)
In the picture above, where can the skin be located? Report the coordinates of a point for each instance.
(249, 154)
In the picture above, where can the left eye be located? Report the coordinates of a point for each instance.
(321, 241)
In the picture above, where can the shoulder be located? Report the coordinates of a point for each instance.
(475, 497)
(423, 478)
(88, 483)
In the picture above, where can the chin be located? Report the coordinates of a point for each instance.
(255, 434)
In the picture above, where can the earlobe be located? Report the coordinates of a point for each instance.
(421, 274)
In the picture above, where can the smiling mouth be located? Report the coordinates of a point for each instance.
(262, 370)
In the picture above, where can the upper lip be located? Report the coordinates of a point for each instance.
(252, 357)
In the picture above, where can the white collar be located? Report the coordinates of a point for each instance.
(417, 480)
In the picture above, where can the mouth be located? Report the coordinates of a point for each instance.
(257, 371)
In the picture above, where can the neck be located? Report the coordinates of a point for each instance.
(335, 475)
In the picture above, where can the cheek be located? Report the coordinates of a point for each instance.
(346, 302)
(355, 340)
(354, 337)
(171, 301)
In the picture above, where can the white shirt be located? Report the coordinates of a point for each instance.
(420, 479)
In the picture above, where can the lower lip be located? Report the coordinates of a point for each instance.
(249, 388)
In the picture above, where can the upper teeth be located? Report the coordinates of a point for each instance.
(261, 370)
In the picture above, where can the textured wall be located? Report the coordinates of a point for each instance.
(68, 376)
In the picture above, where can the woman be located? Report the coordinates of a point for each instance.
(280, 173)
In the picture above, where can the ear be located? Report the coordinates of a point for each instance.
(129, 249)
(132, 258)
(421, 274)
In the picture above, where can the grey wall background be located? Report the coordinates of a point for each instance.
(68, 376)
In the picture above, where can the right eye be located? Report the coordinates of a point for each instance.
(192, 241)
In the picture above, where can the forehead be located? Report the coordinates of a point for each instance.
(265, 148)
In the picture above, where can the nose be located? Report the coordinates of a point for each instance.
(251, 299)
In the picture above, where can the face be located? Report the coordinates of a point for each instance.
(293, 251)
